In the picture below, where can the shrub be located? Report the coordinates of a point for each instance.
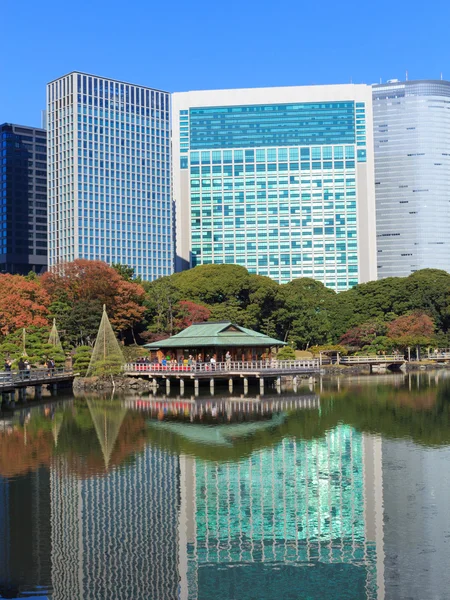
(286, 353)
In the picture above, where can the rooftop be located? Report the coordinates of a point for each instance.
(216, 334)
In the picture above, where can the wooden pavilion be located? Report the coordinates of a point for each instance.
(214, 339)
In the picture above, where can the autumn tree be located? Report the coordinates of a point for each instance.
(189, 312)
(88, 284)
(23, 303)
(414, 329)
(364, 334)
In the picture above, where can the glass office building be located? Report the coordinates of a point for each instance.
(23, 197)
(109, 174)
(279, 180)
(412, 172)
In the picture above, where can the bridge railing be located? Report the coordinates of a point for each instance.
(227, 366)
(383, 358)
(438, 356)
(32, 375)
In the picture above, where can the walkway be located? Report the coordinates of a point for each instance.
(228, 371)
(13, 380)
(223, 370)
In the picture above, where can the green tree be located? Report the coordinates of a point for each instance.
(305, 315)
(214, 284)
(81, 359)
(124, 271)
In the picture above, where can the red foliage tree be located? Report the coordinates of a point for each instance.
(188, 312)
(86, 280)
(416, 328)
(362, 335)
(23, 303)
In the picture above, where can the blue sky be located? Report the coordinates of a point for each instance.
(178, 46)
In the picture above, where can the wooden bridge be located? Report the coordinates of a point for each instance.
(227, 371)
(12, 381)
(389, 361)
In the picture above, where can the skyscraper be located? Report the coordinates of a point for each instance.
(23, 197)
(109, 174)
(412, 172)
(279, 180)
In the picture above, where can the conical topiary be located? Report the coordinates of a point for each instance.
(53, 339)
(107, 357)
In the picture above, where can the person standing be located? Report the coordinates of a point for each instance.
(22, 367)
(228, 359)
(213, 362)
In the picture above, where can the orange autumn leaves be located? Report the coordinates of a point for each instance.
(84, 280)
(25, 302)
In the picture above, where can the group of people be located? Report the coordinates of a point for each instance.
(191, 361)
(24, 366)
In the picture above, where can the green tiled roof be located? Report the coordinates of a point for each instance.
(207, 335)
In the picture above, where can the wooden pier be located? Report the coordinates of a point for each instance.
(230, 371)
(15, 383)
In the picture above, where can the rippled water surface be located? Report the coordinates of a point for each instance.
(338, 490)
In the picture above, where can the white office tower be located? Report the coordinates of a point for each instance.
(412, 176)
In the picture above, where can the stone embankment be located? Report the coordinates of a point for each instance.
(108, 383)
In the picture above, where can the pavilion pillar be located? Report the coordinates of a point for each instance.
(230, 385)
(167, 386)
(211, 386)
(279, 385)
(196, 387)
(295, 381)
(245, 385)
(181, 386)
(261, 386)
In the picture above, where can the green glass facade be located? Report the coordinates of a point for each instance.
(298, 504)
(274, 187)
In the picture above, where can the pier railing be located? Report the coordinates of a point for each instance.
(8, 378)
(253, 366)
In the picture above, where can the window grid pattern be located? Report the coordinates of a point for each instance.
(280, 212)
(109, 174)
(253, 126)
(23, 199)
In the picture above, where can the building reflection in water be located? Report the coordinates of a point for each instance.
(25, 534)
(335, 513)
(115, 535)
(297, 518)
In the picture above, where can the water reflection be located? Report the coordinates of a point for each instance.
(339, 492)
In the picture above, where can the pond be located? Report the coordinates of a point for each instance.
(338, 490)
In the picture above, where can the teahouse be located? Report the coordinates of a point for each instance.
(215, 339)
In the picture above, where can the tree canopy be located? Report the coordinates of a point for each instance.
(376, 316)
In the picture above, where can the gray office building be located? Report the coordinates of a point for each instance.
(412, 175)
(23, 199)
